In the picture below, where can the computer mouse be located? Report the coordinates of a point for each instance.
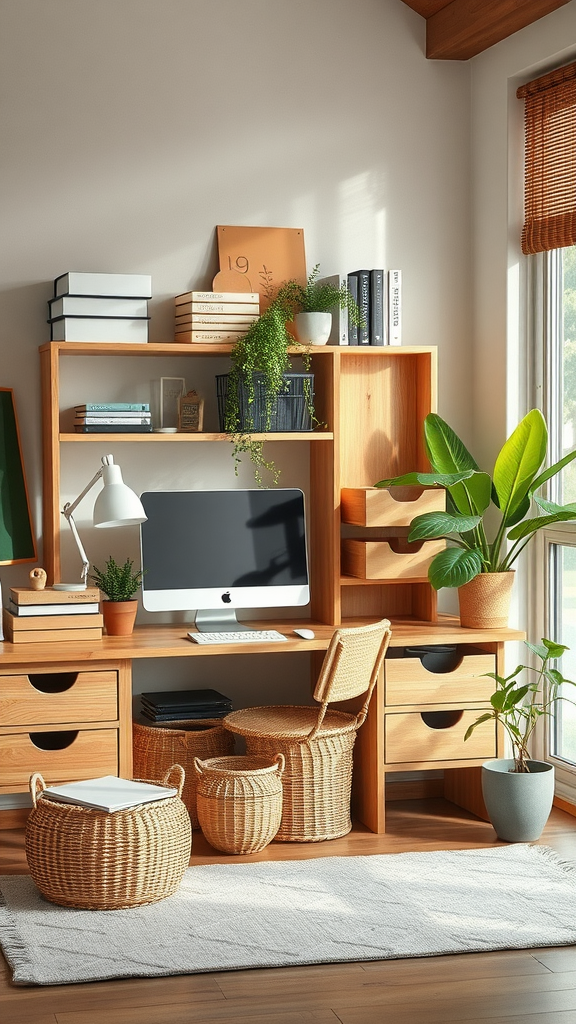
(306, 634)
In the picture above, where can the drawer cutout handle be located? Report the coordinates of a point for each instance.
(52, 682)
(53, 740)
(441, 719)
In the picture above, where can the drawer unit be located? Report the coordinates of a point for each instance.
(407, 681)
(60, 756)
(396, 506)
(395, 559)
(54, 698)
(414, 736)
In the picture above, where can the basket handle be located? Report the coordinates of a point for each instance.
(281, 762)
(199, 765)
(178, 770)
(36, 783)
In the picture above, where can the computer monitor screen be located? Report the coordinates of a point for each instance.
(215, 552)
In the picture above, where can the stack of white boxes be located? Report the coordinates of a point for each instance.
(100, 307)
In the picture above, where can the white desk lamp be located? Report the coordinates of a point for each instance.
(116, 505)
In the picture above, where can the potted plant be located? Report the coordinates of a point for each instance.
(311, 306)
(476, 565)
(119, 583)
(518, 791)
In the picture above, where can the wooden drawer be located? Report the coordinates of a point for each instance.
(389, 560)
(437, 736)
(397, 506)
(54, 698)
(88, 753)
(408, 682)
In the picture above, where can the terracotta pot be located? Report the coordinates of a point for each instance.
(119, 617)
(485, 600)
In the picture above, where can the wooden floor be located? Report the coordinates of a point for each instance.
(521, 987)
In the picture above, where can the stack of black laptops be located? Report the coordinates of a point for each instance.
(179, 705)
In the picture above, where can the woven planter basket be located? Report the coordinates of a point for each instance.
(240, 801)
(157, 747)
(485, 600)
(87, 858)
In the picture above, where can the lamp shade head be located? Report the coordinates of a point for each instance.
(117, 504)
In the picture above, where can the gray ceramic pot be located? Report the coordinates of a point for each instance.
(518, 803)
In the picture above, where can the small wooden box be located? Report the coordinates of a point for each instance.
(437, 736)
(89, 753)
(389, 560)
(398, 506)
(57, 698)
(408, 682)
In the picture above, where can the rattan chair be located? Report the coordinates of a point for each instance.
(317, 743)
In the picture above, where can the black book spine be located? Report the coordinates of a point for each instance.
(364, 306)
(377, 307)
(352, 328)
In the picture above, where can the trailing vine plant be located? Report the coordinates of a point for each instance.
(261, 357)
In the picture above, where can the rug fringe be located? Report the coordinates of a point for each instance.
(13, 947)
(551, 857)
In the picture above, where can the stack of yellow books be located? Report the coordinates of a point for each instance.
(204, 317)
(44, 616)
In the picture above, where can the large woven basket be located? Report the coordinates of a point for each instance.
(240, 801)
(157, 747)
(82, 857)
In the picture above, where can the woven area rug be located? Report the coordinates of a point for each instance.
(284, 913)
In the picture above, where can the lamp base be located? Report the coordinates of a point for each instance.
(69, 586)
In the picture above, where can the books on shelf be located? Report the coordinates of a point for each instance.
(208, 337)
(176, 705)
(127, 286)
(353, 328)
(378, 323)
(115, 427)
(28, 610)
(112, 407)
(27, 596)
(63, 620)
(85, 305)
(206, 320)
(363, 300)
(243, 297)
(204, 317)
(113, 418)
(109, 793)
(112, 329)
(42, 630)
(395, 307)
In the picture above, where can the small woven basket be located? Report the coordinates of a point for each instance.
(157, 747)
(239, 801)
(83, 857)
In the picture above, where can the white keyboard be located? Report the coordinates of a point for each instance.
(255, 636)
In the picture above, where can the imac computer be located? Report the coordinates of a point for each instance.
(216, 552)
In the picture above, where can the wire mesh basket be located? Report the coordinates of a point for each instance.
(292, 409)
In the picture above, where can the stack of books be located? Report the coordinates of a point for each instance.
(204, 317)
(180, 705)
(113, 418)
(378, 295)
(100, 307)
(48, 616)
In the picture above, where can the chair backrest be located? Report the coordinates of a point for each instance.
(352, 662)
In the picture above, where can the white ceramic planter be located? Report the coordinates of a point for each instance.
(313, 328)
(518, 803)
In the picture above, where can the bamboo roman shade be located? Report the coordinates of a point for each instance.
(550, 160)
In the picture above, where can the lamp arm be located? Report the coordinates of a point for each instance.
(83, 555)
(71, 507)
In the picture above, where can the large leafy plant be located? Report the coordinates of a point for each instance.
(472, 495)
(518, 704)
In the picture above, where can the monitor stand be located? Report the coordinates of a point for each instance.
(219, 620)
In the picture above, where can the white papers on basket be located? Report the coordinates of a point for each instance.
(109, 793)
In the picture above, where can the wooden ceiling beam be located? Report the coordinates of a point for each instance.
(463, 28)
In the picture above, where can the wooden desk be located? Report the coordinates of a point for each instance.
(66, 708)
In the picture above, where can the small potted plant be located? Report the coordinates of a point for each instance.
(119, 583)
(311, 306)
(480, 564)
(518, 791)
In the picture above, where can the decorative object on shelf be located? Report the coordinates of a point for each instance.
(259, 259)
(518, 792)
(190, 413)
(100, 307)
(516, 477)
(166, 394)
(116, 505)
(311, 304)
(214, 317)
(81, 857)
(37, 579)
(113, 418)
(239, 801)
(119, 583)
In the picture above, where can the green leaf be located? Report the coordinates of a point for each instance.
(446, 452)
(497, 700)
(529, 526)
(554, 650)
(552, 471)
(454, 567)
(515, 697)
(518, 463)
(439, 524)
(470, 729)
(552, 506)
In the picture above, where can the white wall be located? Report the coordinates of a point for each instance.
(500, 351)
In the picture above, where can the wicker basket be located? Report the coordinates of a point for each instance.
(157, 747)
(240, 801)
(87, 858)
